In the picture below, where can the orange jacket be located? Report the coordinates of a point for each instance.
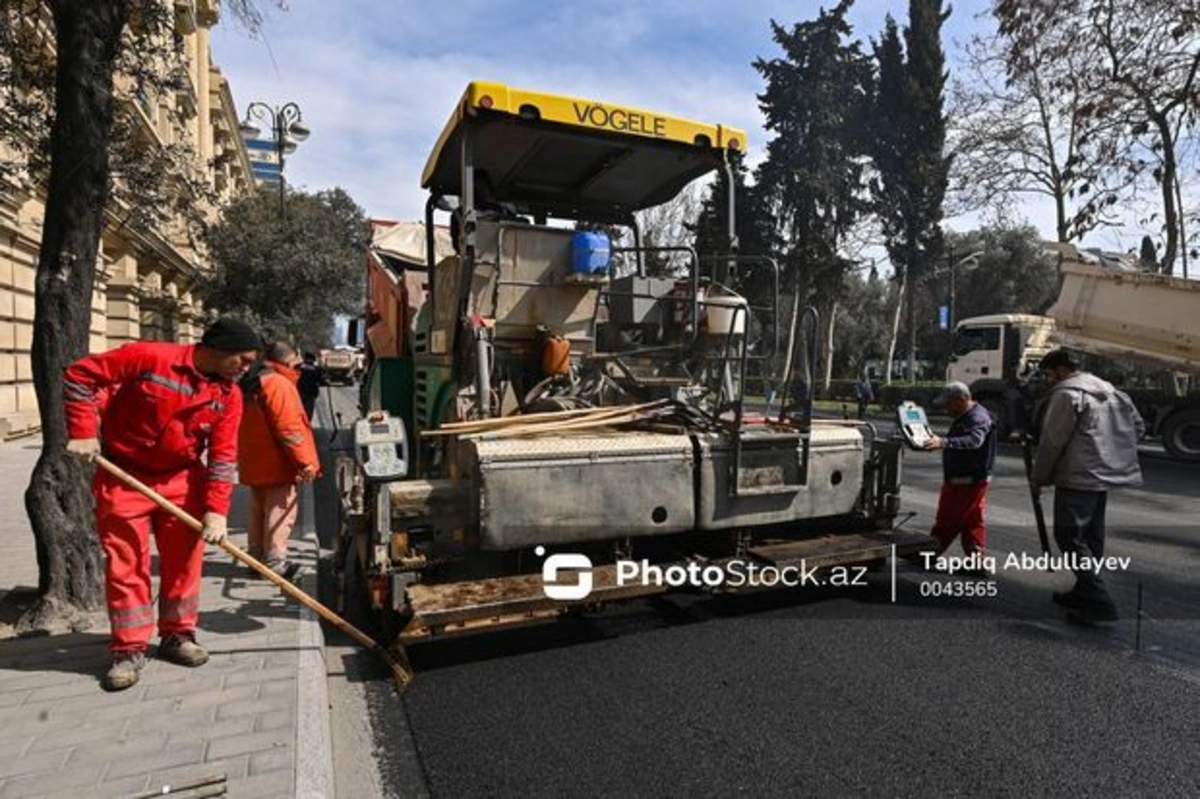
(275, 440)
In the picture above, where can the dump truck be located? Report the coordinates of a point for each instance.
(1136, 318)
(339, 365)
(539, 412)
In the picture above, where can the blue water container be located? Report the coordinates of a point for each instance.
(590, 253)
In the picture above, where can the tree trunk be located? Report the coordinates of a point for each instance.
(911, 321)
(1183, 239)
(891, 357)
(1062, 226)
(784, 388)
(1170, 211)
(833, 309)
(58, 500)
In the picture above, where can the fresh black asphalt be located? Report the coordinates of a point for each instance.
(833, 692)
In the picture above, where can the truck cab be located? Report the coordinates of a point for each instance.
(1001, 346)
(994, 355)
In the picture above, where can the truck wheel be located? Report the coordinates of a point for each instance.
(1000, 416)
(1181, 435)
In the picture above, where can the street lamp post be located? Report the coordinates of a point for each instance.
(287, 130)
(953, 269)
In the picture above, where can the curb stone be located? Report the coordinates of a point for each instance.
(314, 744)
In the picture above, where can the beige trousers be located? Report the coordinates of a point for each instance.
(273, 512)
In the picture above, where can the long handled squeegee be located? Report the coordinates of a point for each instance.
(1039, 515)
(402, 672)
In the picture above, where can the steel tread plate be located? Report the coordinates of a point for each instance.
(826, 435)
(573, 444)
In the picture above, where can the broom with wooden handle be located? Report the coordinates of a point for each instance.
(402, 672)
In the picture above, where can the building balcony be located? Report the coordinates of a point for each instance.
(207, 12)
(186, 100)
(186, 20)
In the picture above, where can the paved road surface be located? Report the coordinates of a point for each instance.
(826, 691)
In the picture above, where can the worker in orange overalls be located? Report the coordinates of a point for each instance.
(170, 420)
(276, 451)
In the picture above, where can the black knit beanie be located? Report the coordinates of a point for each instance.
(232, 335)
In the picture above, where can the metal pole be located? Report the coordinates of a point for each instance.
(950, 287)
(950, 316)
(279, 134)
(730, 218)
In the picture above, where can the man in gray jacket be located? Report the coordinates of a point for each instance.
(1088, 444)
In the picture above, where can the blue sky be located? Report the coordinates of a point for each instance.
(377, 79)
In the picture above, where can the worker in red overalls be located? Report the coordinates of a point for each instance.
(171, 420)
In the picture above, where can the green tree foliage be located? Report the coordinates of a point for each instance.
(754, 225)
(908, 143)
(1014, 273)
(862, 323)
(815, 105)
(291, 273)
(1130, 63)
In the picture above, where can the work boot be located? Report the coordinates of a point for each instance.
(182, 650)
(125, 670)
(285, 568)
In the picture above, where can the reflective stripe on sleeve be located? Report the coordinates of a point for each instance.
(167, 382)
(75, 392)
(222, 472)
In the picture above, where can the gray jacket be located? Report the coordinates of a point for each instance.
(1089, 437)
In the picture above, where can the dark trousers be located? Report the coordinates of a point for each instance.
(1079, 528)
(310, 403)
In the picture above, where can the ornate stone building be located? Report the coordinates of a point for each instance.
(144, 280)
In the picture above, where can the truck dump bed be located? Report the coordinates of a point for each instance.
(1133, 315)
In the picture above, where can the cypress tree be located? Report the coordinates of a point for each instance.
(908, 149)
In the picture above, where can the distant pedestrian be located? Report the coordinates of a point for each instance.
(864, 394)
(170, 418)
(968, 455)
(275, 452)
(1088, 444)
(309, 384)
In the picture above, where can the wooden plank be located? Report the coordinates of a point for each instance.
(472, 606)
(835, 550)
(572, 426)
(417, 632)
(485, 425)
(455, 603)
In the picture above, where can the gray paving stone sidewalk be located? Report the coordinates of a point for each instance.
(256, 714)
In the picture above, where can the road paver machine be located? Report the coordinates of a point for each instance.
(538, 396)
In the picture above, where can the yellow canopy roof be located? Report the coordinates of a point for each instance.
(572, 157)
